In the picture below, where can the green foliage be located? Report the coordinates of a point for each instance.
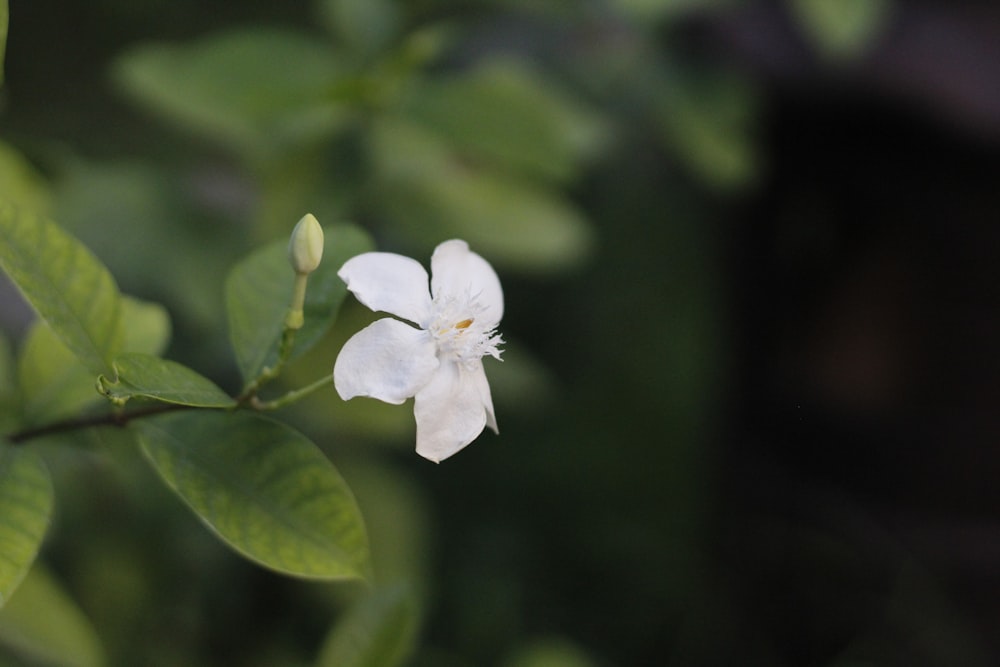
(19, 182)
(506, 114)
(256, 90)
(553, 652)
(377, 632)
(705, 118)
(54, 384)
(147, 326)
(43, 624)
(432, 194)
(649, 11)
(841, 29)
(26, 498)
(365, 26)
(3, 34)
(65, 283)
(263, 488)
(147, 376)
(407, 120)
(258, 291)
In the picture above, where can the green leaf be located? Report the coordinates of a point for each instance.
(258, 291)
(549, 652)
(148, 376)
(366, 26)
(507, 114)
(43, 623)
(708, 118)
(3, 34)
(378, 631)
(65, 283)
(147, 326)
(433, 195)
(649, 12)
(249, 88)
(115, 203)
(263, 488)
(20, 183)
(842, 29)
(26, 498)
(55, 385)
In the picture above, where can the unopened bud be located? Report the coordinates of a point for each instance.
(305, 248)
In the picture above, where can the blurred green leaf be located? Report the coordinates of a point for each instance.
(550, 652)
(707, 118)
(366, 26)
(433, 195)
(146, 325)
(148, 376)
(20, 183)
(134, 211)
(263, 488)
(398, 521)
(3, 35)
(65, 283)
(259, 288)
(841, 29)
(44, 625)
(507, 114)
(26, 499)
(250, 88)
(378, 631)
(653, 11)
(55, 385)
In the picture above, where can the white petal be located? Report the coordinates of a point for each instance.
(483, 386)
(457, 271)
(390, 283)
(449, 410)
(387, 360)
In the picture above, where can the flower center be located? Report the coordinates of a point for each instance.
(460, 333)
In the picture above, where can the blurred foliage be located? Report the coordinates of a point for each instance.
(588, 150)
(842, 29)
(381, 113)
(4, 20)
(44, 625)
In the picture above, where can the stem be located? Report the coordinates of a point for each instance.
(249, 394)
(119, 419)
(292, 396)
(295, 318)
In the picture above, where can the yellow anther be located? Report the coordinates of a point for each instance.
(464, 324)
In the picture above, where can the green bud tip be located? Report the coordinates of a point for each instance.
(305, 248)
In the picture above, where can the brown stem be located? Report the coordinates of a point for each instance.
(111, 419)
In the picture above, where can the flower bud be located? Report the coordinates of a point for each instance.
(305, 248)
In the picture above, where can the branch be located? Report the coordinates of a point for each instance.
(118, 419)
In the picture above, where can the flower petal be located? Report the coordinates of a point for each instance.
(483, 385)
(449, 410)
(457, 271)
(390, 283)
(387, 360)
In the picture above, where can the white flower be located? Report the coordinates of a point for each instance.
(438, 361)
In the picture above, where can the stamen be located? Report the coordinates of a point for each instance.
(464, 324)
